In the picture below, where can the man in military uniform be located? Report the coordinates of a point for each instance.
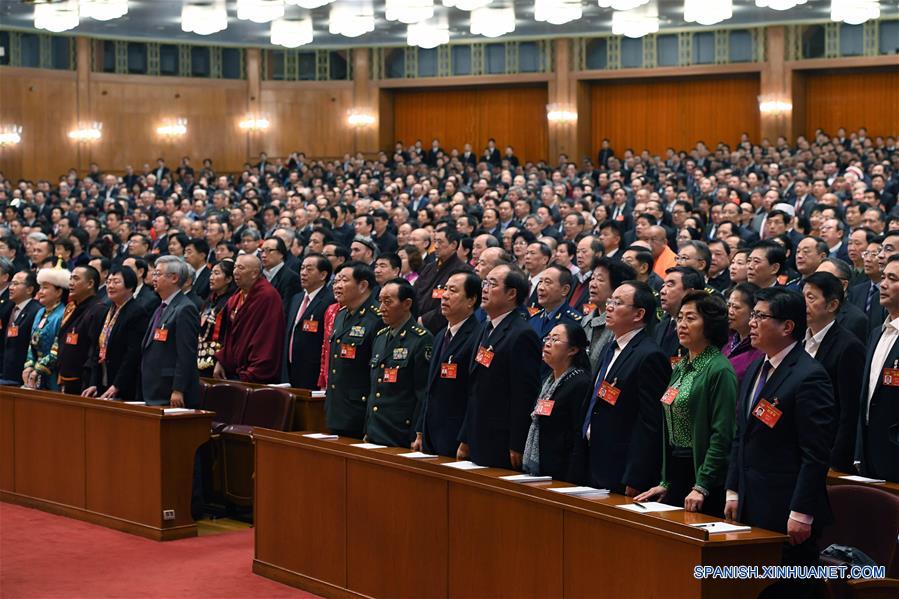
(355, 326)
(399, 369)
(552, 291)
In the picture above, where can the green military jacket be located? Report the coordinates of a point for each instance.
(350, 348)
(399, 382)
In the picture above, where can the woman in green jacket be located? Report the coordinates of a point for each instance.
(699, 411)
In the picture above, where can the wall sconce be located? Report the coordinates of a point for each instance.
(561, 114)
(173, 128)
(774, 106)
(358, 118)
(10, 135)
(254, 123)
(87, 132)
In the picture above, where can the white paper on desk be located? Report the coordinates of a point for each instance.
(134, 403)
(318, 393)
(368, 446)
(649, 506)
(580, 491)
(177, 410)
(320, 436)
(863, 479)
(279, 385)
(464, 465)
(417, 455)
(721, 527)
(526, 478)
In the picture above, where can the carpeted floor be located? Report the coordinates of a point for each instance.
(47, 556)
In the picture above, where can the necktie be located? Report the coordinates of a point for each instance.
(487, 330)
(294, 328)
(157, 316)
(763, 378)
(444, 349)
(872, 296)
(13, 316)
(607, 354)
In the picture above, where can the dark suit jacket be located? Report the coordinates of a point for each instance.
(122, 352)
(201, 284)
(302, 373)
(171, 365)
(15, 348)
(560, 432)
(6, 308)
(858, 296)
(85, 322)
(842, 356)
(501, 397)
(148, 299)
(784, 468)
(287, 284)
(665, 334)
(434, 276)
(625, 447)
(854, 320)
(878, 420)
(446, 399)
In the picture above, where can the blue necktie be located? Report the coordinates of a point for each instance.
(872, 295)
(603, 369)
(763, 378)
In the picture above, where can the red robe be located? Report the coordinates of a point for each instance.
(254, 341)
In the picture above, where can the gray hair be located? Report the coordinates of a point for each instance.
(6, 266)
(175, 266)
(251, 233)
(37, 236)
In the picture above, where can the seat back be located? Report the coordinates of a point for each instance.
(269, 408)
(227, 400)
(864, 518)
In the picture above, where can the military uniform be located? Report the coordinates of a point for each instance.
(348, 377)
(399, 383)
(543, 325)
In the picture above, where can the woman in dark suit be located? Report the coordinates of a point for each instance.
(557, 417)
(116, 356)
(212, 332)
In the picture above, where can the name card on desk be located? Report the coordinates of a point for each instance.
(279, 385)
(368, 446)
(134, 403)
(526, 478)
(578, 491)
(417, 455)
(464, 465)
(321, 436)
(863, 479)
(721, 527)
(321, 393)
(178, 411)
(645, 507)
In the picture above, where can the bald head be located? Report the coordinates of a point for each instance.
(487, 260)
(247, 270)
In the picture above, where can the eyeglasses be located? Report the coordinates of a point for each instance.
(761, 316)
(617, 303)
(487, 284)
(869, 254)
(553, 340)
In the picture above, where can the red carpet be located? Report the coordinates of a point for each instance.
(47, 556)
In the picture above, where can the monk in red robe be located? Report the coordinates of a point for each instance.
(253, 344)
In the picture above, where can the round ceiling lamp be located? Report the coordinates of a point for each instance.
(637, 22)
(291, 33)
(408, 11)
(557, 12)
(492, 22)
(428, 34)
(779, 4)
(260, 11)
(56, 17)
(854, 12)
(351, 19)
(708, 12)
(204, 18)
(621, 4)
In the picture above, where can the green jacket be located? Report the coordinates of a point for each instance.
(713, 402)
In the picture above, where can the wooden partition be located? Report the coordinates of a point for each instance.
(676, 112)
(514, 116)
(851, 99)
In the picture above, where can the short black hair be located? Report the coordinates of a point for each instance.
(619, 272)
(747, 290)
(322, 264)
(565, 276)
(715, 324)
(642, 255)
(517, 280)
(774, 253)
(611, 224)
(30, 281)
(92, 274)
(830, 286)
(703, 250)
(360, 272)
(200, 245)
(128, 276)
(785, 304)
(392, 258)
(404, 291)
(472, 287)
(577, 338)
(690, 277)
(644, 299)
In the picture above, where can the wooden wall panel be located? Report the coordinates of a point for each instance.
(307, 117)
(45, 106)
(131, 107)
(515, 116)
(857, 98)
(674, 112)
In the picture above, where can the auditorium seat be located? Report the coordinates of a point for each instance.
(228, 401)
(887, 588)
(266, 408)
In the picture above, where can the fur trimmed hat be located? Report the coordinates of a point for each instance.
(58, 277)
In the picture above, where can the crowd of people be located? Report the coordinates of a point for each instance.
(713, 328)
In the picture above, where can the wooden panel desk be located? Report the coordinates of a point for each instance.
(105, 462)
(833, 478)
(308, 412)
(341, 521)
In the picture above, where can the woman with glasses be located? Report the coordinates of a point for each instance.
(557, 416)
(699, 407)
(740, 300)
(608, 274)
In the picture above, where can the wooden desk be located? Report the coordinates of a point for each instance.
(833, 478)
(308, 412)
(341, 521)
(105, 462)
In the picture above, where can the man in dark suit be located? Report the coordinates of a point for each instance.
(850, 317)
(79, 330)
(437, 431)
(866, 296)
(503, 376)
(876, 450)
(622, 435)
(678, 281)
(169, 375)
(7, 270)
(144, 294)
(17, 326)
(305, 324)
(195, 254)
(433, 277)
(786, 421)
(285, 281)
(841, 355)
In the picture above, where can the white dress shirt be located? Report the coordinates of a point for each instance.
(813, 342)
(878, 360)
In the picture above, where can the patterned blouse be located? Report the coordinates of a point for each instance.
(679, 413)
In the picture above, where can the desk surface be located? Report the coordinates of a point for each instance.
(125, 466)
(835, 478)
(366, 510)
